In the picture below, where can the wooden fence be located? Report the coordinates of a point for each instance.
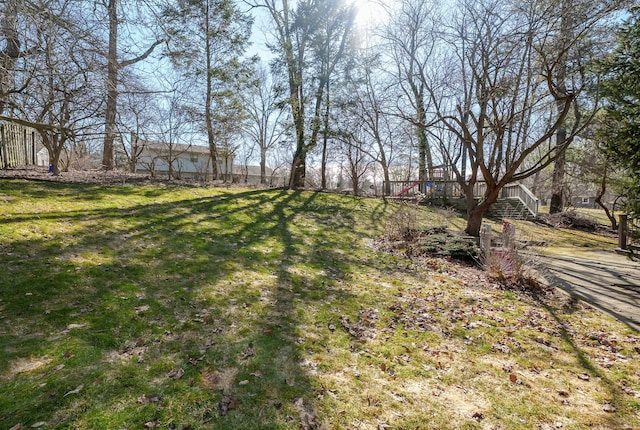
(628, 234)
(18, 146)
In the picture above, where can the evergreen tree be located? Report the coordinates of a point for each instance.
(620, 131)
(208, 39)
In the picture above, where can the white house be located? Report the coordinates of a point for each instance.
(181, 161)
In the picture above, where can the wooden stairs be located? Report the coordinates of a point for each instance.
(510, 208)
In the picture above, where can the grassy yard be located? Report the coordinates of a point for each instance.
(189, 308)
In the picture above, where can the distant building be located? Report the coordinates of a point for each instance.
(181, 161)
(243, 174)
(582, 195)
(583, 202)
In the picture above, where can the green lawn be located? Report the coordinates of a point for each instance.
(190, 308)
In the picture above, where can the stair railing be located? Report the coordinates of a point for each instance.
(518, 191)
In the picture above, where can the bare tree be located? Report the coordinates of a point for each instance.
(331, 44)
(314, 29)
(61, 99)
(503, 103)
(266, 127)
(114, 65)
(410, 37)
(574, 35)
(369, 98)
(137, 118)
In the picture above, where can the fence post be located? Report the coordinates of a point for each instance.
(508, 235)
(25, 145)
(3, 142)
(485, 239)
(33, 148)
(622, 232)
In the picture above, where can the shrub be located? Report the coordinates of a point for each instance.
(403, 233)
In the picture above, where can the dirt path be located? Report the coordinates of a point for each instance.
(609, 281)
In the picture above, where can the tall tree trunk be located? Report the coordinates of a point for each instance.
(298, 169)
(475, 215)
(299, 163)
(133, 158)
(425, 161)
(325, 142)
(170, 162)
(263, 164)
(208, 113)
(11, 52)
(315, 124)
(112, 88)
(556, 204)
(113, 67)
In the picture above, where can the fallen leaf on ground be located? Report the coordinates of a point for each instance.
(226, 404)
(144, 399)
(276, 404)
(501, 347)
(194, 361)
(307, 417)
(478, 416)
(152, 424)
(76, 391)
(176, 373)
(222, 378)
(140, 309)
(248, 352)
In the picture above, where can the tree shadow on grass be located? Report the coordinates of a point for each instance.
(150, 307)
(613, 392)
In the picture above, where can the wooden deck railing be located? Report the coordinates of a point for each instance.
(451, 189)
